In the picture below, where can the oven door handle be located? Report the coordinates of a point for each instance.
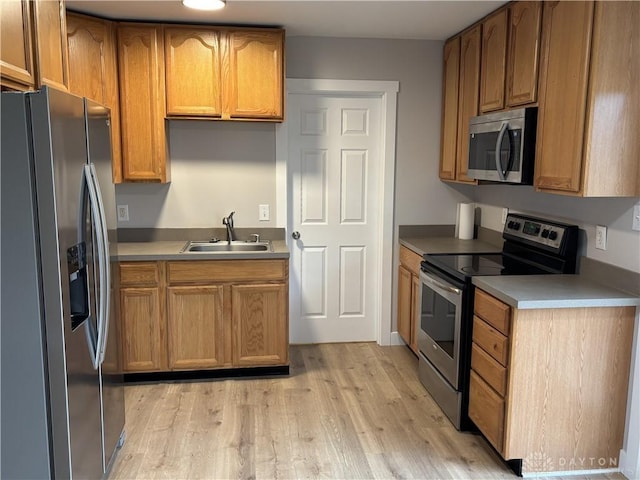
(448, 288)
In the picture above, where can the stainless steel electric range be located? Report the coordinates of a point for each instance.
(532, 246)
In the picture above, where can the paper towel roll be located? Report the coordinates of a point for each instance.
(465, 220)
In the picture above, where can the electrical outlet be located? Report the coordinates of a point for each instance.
(123, 213)
(636, 217)
(263, 213)
(505, 212)
(601, 237)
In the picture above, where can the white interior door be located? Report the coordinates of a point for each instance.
(335, 172)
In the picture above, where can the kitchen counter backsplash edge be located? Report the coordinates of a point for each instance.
(129, 235)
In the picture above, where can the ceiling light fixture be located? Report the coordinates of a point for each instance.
(204, 4)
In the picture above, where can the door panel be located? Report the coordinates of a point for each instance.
(334, 172)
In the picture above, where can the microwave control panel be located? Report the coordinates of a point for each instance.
(541, 233)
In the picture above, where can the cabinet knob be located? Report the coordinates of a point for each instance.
(295, 235)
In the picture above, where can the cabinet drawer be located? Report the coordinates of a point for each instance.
(490, 340)
(139, 273)
(221, 271)
(491, 371)
(492, 311)
(410, 260)
(486, 409)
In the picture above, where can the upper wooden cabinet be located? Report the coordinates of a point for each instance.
(523, 52)
(450, 83)
(254, 65)
(493, 65)
(93, 71)
(510, 46)
(232, 74)
(16, 50)
(193, 70)
(588, 118)
(470, 44)
(142, 103)
(33, 44)
(51, 44)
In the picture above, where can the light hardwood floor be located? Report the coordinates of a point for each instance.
(346, 411)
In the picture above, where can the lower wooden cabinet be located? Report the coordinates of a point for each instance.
(195, 323)
(409, 296)
(538, 392)
(198, 315)
(143, 335)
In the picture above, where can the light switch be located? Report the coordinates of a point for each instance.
(263, 213)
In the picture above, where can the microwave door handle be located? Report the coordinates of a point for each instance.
(501, 172)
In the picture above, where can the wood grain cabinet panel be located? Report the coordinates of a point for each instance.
(450, 89)
(486, 409)
(405, 304)
(587, 135)
(566, 38)
(409, 296)
(493, 65)
(93, 71)
(195, 327)
(254, 72)
(523, 53)
(16, 49)
(492, 311)
(522, 384)
(259, 316)
(142, 103)
(144, 347)
(51, 44)
(193, 71)
(468, 96)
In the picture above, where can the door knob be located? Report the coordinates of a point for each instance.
(295, 235)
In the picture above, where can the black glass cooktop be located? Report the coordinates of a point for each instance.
(485, 264)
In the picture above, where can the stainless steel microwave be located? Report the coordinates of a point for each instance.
(502, 146)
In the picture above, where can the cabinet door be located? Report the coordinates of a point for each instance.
(51, 44)
(192, 59)
(195, 320)
(260, 324)
(142, 103)
(416, 309)
(468, 96)
(494, 55)
(16, 59)
(450, 83)
(92, 71)
(143, 344)
(405, 304)
(566, 39)
(486, 409)
(523, 52)
(254, 65)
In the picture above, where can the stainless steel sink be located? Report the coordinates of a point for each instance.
(223, 246)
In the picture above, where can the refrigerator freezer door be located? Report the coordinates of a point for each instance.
(99, 147)
(60, 154)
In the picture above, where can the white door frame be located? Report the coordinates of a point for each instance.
(387, 91)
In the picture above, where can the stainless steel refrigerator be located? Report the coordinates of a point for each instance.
(62, 398)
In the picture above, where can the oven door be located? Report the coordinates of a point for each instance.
(439, 325)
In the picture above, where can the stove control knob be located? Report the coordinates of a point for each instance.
(553, 235)
(545, 233)
(516, 225)
(510, 224)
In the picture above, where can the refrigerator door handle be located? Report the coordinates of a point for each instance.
(97, 215)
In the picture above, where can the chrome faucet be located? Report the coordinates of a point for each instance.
(228, 222)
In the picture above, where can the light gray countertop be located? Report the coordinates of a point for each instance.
(170, 250)
(436, 245)
(554, 291)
